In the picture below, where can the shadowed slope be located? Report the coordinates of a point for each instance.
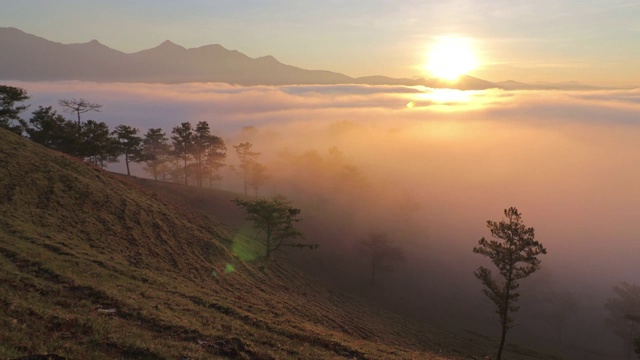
(94, 266)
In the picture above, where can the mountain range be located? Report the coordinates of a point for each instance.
(27, 57)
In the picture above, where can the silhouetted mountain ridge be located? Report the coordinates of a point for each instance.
(32, 58)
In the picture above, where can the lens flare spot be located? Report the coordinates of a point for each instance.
(243, 248)
(229, 268)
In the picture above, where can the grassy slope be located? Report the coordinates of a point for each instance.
(94, 266)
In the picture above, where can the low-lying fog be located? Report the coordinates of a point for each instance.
(429, 167)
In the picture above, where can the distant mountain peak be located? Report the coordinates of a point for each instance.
(268, 59)
(12, 29)
(171, 63)
(214, 46)
(94, 43)
(169, 45)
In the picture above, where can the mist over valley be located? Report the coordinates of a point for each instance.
(428, 167)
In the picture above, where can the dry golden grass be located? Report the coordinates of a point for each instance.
(96, 266)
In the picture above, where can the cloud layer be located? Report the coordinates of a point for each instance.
(438, 163)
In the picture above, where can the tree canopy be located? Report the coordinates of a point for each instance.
(382, 253)
(515, 253)
(624, 314)
(10, 109)
(276, 220)
(248, 160)
(182, 137)
(128, 143)
(155, 151)
(79, 106)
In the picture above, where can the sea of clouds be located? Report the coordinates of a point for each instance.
(568, 160)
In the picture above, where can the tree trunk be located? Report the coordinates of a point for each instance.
(503, 320)
(245, 181)
(268, 245)
(185, 170)
(502, 341)
(199, 166)
(126, 161)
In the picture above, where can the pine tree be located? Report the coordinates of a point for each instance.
(276, 219)
(128, 143)
(515, 254)
(182, 137)
(9, 110)
(155, 150)
(247, 161)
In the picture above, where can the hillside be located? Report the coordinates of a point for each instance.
(95, 266)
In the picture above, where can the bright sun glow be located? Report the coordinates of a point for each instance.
(451, 57)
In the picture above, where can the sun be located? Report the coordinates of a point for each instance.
(451, 57)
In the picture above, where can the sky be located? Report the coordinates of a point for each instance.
(588, 41)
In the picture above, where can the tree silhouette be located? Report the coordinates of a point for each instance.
(247, 160)
(636, 340)
(624, 310)
(128, 143)
(79, 106)
(515, 254)
(257, 176)
(96, 144)
(9, 110)
(216, 155)
(204, 145)
(155, 150)
(276, 219)
(182, 137)
(48, 128)
(562, 306)
(382, 253)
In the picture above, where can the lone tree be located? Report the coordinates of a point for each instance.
(276, 219)
(382, 252)
(9, 110)
(515, 254)
(79, 106)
